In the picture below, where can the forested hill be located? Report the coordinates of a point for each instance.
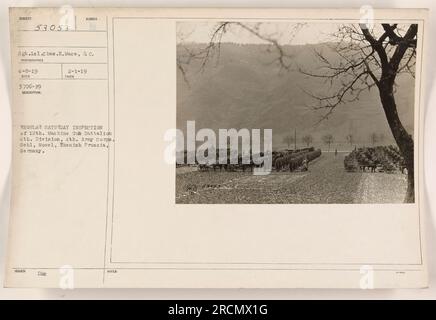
(246, 89)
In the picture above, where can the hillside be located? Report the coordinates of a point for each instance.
(245, 90)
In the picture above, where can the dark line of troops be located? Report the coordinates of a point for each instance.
(294, 161)
(369, 159)
(281, 161)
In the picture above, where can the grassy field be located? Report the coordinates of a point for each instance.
(325, 182)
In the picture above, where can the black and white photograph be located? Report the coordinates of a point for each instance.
(288, 112)
(218, 152)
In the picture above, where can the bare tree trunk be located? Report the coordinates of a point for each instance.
(403, 139)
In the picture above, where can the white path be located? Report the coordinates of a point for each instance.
(382, 187)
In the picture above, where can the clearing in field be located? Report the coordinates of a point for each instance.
(326, 181)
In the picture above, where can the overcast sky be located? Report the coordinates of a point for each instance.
(284, 32)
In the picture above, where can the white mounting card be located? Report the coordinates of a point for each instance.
(217, 148)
